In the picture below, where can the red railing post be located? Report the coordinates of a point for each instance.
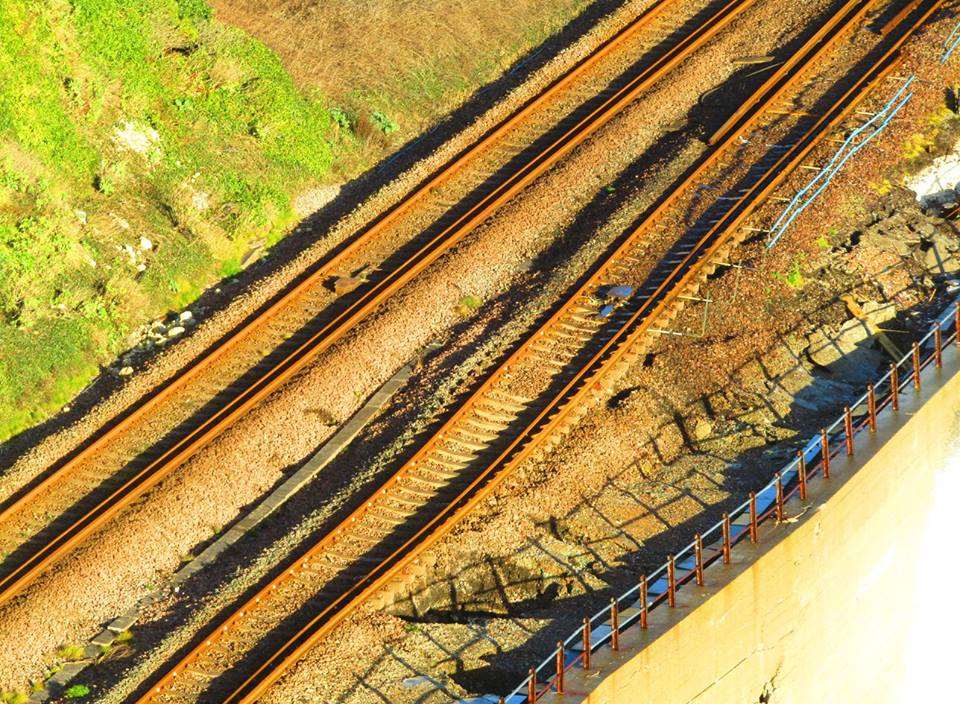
(779, 496)
(802, 475)
(916, 366)
(848, 429)
(895, 386)
(643, 602)
(938, 345)
(586, 643)
(532, 686)
(615, 625)
(698, 550)
(671, 582)
(825, 452)
(872, 408)
(726, 539)
(560, 663)
(754, 524)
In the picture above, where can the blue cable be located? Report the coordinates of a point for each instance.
(839, 159)
(951, 44)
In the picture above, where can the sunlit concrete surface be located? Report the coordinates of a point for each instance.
(930, 655)
(851, 599)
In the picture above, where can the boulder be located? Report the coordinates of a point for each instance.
(848, 353)
(885, 242)
(940, 260)
(703, 429)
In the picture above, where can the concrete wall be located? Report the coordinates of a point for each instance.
(821, 610)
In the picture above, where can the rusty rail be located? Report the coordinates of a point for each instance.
(742, 523)
(582, 382)
(17, 577)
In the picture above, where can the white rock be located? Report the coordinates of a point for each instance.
(186, 316)
(200, 201)
(81, 216)
(936, 184)
(145, 244)
(313, 199)
(141, 267)
(138, 138)
(175, 331)
(126, 371)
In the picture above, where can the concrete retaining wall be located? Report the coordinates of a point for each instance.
(821, 610)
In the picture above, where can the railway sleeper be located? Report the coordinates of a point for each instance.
(576, 328)
(491, 414)
(365, 539)
(436, 483)
(446, 464)
(385, 507)
(393, 496)
(453, 455)
(375, 514)
(485, 438)
(549, 360)
(469, 444)
(574, 339)
(423, 495)
(503, 405)
(441, 470)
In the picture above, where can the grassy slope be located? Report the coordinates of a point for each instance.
(144, 145)
(217, 136)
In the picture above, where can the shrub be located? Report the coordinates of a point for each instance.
(77, 691)
(468, 305)
(194, 10)
(71, 652)
(383, 122)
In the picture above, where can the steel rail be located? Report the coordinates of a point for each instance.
(791, 481)
(363, 236)
(531, 437)
(880, 70)
(371, 299)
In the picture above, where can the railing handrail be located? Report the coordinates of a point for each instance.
(945, 322)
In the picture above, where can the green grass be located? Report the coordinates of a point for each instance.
(71, 653)
(77, 691)
(122, 119)
(217, 118)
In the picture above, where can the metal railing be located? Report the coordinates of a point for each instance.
(742, 523)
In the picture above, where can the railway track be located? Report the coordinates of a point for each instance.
(52, 516)
(546, 383)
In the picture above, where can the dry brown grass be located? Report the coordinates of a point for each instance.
(412, 60)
